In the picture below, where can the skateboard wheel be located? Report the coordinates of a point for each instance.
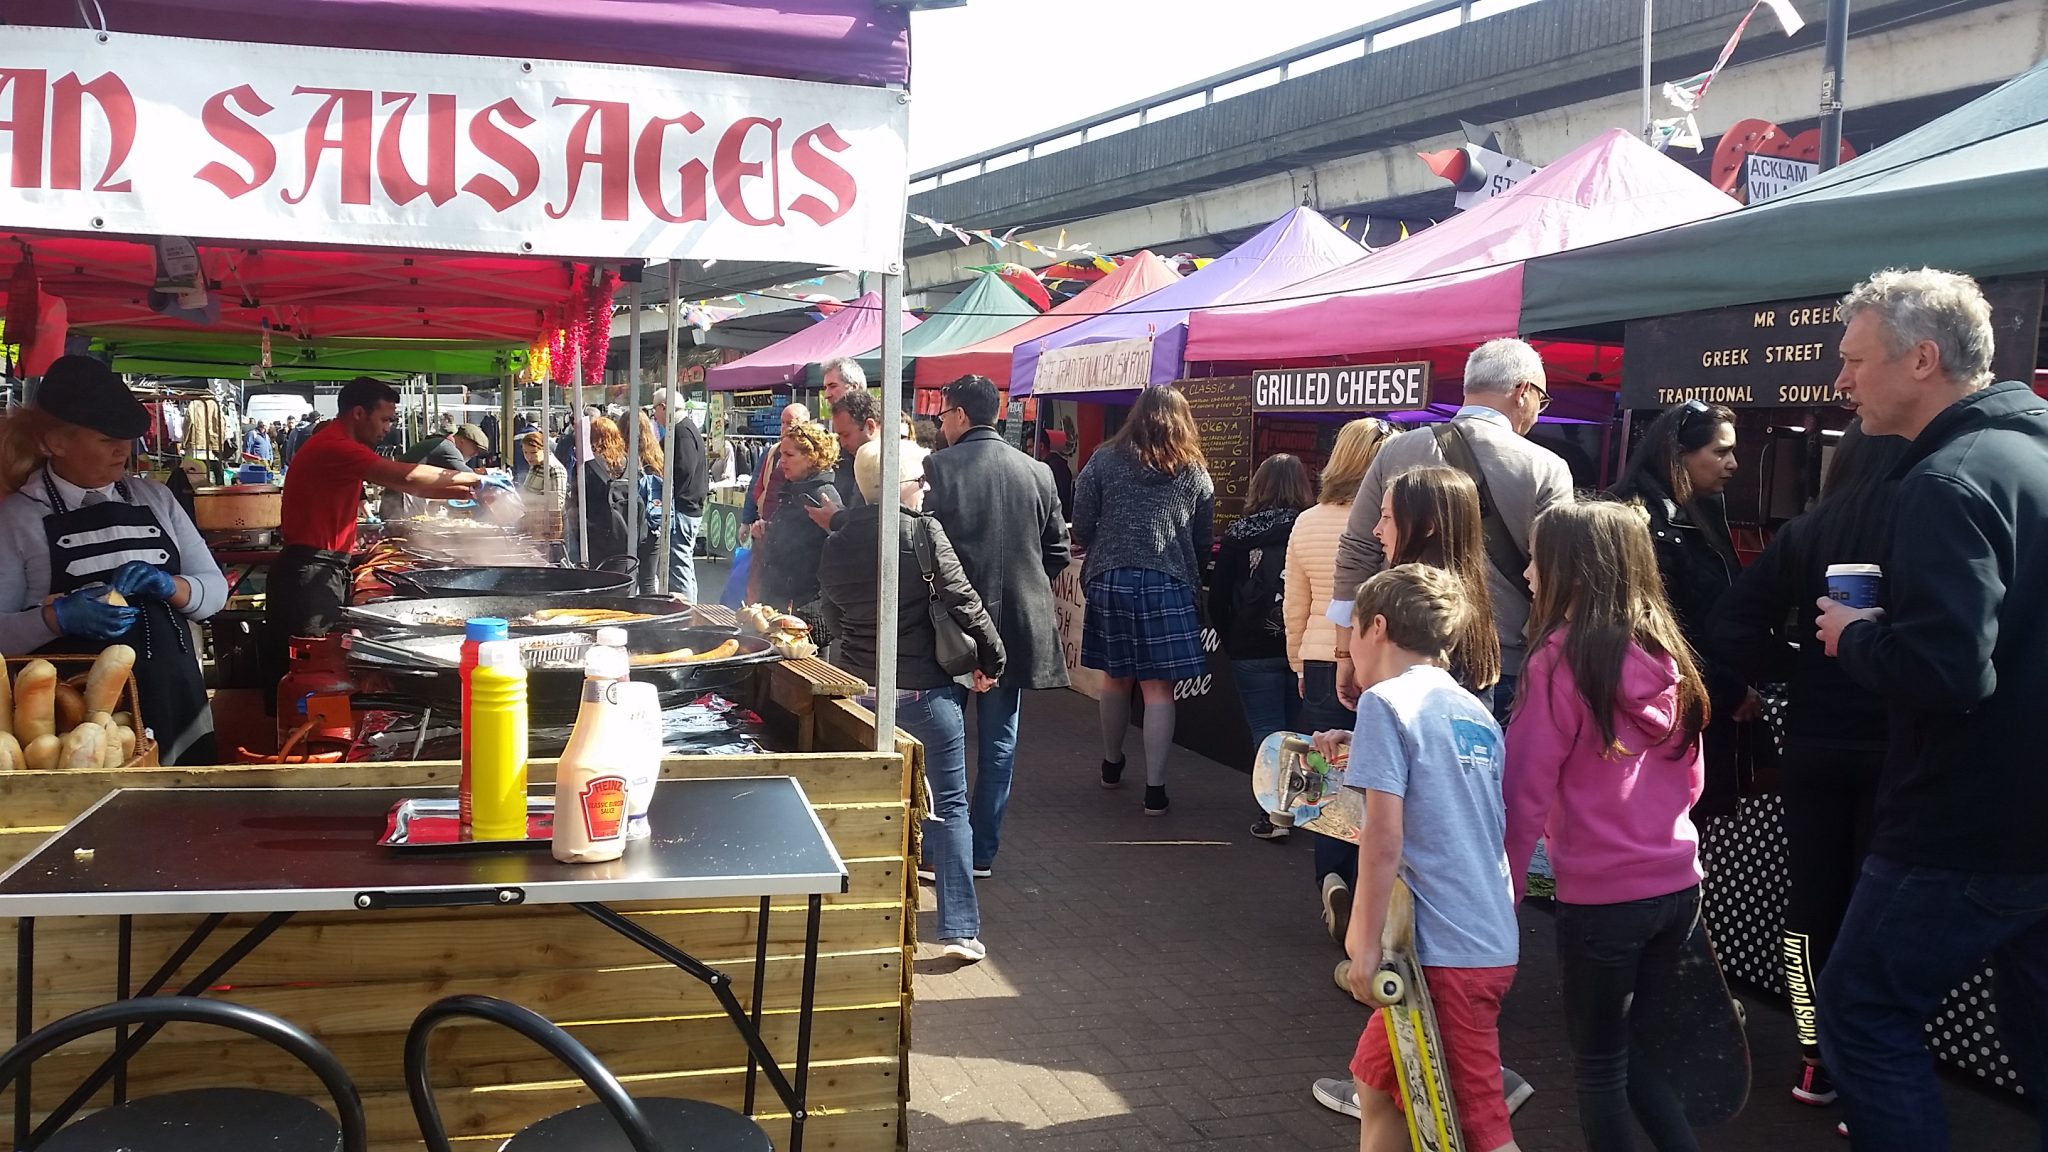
(1387, 988)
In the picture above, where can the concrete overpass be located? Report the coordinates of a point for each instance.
(1338, 121)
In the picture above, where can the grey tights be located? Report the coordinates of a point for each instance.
(1115, 707)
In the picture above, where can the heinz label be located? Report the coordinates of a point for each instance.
(604, 808)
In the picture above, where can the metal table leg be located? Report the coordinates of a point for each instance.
(760, 980)
(24, 1015)
(804, 1011)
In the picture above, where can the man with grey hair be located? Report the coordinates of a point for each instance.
(842, 374)
(1505, 389)
(1958, 867)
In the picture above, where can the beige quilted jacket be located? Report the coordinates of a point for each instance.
(1311, 560)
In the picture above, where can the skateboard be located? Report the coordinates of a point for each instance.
(1692, 1032)
(1418, 1048)
(1298, 788)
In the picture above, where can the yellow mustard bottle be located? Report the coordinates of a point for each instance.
(497, 743)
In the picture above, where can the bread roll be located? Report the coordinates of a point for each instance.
(35, 702)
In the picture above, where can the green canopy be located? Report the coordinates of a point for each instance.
(232, 356)
(988, 308)
(1967, 192)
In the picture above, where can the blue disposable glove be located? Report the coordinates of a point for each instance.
(83, 613)
(496, 482)
(139, 579)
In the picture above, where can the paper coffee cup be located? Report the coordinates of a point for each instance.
(1854, 584)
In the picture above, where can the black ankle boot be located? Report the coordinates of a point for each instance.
(1112, 774)
(1155, 799)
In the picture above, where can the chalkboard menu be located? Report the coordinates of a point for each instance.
(1785, 353)
(1223, 418)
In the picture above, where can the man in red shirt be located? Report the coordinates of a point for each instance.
(323, 494)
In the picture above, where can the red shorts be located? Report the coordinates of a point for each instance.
(1467, 1002)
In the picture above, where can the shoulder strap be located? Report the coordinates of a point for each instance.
(1507, 559)
(927, 555)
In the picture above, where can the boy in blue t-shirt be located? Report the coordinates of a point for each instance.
(1428, 756)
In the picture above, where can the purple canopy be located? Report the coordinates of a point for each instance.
(854, 329)
(841, 41)
(1294, 247)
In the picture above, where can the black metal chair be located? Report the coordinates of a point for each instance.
(201, 1119)
(616, 1123)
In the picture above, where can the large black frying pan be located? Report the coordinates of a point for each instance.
(558, 583)
(554, 694)
(422, 617)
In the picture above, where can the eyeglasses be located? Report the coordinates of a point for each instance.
(1692, 409)
(944, 411)
(1542, 395)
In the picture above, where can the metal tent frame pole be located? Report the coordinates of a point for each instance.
(675, 413)
(636, 515)
(578, 450)
(889, 501)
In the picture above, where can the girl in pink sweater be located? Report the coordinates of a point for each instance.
(1604, 760)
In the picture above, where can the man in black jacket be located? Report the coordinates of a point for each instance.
(692, 467)
(1958, 866)
(999, 508)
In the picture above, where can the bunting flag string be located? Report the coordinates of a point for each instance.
(968, 236)
(1685, 95)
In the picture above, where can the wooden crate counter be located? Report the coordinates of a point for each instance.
(357, 980)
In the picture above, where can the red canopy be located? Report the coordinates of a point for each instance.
(1135, 277)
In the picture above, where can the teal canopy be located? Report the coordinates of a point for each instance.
(988, 308)
(1967, 192)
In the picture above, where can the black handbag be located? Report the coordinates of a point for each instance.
(954, 649)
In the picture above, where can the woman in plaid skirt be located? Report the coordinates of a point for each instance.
(1143, 511)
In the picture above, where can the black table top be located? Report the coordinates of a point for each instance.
(142, 851)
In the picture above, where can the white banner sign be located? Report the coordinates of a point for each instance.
(1765, 176)
(146, 135)
(1105, 367)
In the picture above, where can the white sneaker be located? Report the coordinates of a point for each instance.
(927, 876)
(1336, 908)
(1515, 1088)
(969, 950)
(983, 873)
(1337, 1095)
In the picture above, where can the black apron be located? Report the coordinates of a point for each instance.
(303, 596)
(87, 545)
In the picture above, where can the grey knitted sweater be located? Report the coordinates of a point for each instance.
(1129, 516)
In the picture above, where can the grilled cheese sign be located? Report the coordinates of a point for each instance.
(1353, 388)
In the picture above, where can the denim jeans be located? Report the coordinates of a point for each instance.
(1267, 693)
(1911, 934)
(995, 758)
(1611, 958)
(1321, 711)
(938, 718)
(682, 561)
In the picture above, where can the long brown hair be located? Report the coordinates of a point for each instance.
(1357, 443)
(1160, 432)
(1280, 482)
(608, 444)
(1597, 582)
(21, 444)
(1436, 515)
(651, 459)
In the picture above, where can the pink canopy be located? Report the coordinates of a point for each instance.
(1299, 244)
(852, 330)
(1141, 274)
(1461, 281)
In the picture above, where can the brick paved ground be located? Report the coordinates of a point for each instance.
(1164, 983)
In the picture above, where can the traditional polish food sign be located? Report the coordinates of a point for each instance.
(146, 135)
(1785, 353)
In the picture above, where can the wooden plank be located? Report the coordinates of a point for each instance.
(371, 948)
(44, 799)
(869, 976)
(471, 1053)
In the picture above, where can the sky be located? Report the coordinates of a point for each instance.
(997, 70)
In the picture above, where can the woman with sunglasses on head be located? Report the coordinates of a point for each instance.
(1678, 474)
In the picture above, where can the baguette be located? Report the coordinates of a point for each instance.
(84, 747)
(40, 754)
(10, 751)
(7, 704)
(35, 702)
(111, 756)
(108, 676)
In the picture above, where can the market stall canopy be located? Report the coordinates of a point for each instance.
(1135, 277)
(203, 356)
(1460, 282)
(842, 41)
(989, 306)
(1148, 334)
(850, 331)
(1965, 192)
(308, 302)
